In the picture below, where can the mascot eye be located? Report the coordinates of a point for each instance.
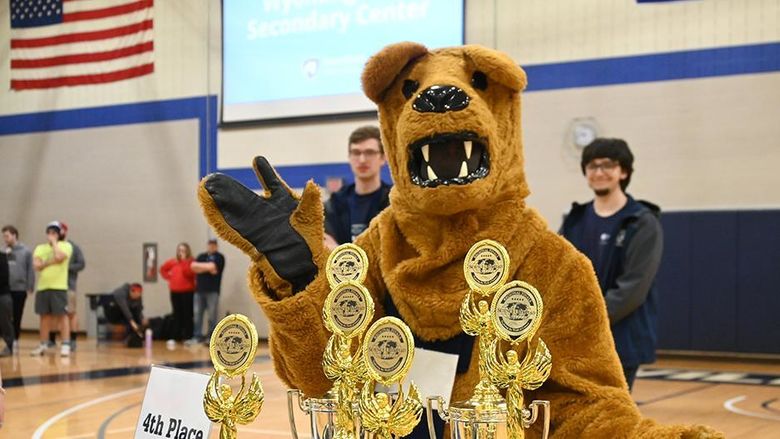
(479, 80)
(410, 86)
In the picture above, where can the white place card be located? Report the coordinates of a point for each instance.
(173, 406)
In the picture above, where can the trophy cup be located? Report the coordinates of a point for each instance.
(388, 352)
(513, 316)
(348, 310)
(232, 348)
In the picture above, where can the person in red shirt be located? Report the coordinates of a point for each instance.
(181, 282)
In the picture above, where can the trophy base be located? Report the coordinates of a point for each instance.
(471, 420)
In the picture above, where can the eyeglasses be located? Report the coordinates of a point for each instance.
(367, 153)
(603, 166)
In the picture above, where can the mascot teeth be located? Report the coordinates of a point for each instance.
(431, 174)
(448, 159)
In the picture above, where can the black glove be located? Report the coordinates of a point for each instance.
(263, 222)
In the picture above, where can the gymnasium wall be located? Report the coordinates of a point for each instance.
(693, 86)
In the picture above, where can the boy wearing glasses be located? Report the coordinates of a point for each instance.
(623, 239)
(348, 211)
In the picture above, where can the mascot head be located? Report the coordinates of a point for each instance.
(450, 122)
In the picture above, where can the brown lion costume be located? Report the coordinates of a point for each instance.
(450, 121)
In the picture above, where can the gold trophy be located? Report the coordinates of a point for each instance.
(232, 347)
(388, 352)
(348, 310)
(513, 316)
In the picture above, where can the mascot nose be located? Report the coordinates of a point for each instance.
(440, 99)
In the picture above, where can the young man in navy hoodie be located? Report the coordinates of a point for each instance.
(624, 240)
(348, 211)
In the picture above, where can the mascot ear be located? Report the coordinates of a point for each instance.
(497, 66)
(382, 68)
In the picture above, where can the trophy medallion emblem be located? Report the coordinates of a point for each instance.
(348, 309)
(517, 311)
(347, 262)
(233, 345)
(389, 350)
(486, 267)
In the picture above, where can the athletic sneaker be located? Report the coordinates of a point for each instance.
(40, 350)
(191, 342)
(65, 350)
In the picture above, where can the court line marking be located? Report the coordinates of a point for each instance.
(91, 435)
(45, 426)
(101, 434)
(674, 394)
(38, 434)
(768, 405)
(730, 405)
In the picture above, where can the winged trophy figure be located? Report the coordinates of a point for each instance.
(387, 419)
(222, 406)
(506, 371)
(339, 362)
(475, 320)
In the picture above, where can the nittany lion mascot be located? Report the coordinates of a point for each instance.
(450, 121)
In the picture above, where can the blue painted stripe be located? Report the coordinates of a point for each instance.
(756, 58)
(296, 176)
(703, 63)
(203, 108)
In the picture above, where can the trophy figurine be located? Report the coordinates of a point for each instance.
(348, 310)
(517, 313)
(232, 348)
(513, 317)
(388, 352)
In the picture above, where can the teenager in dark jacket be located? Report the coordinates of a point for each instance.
(348, 211)
(624, 240)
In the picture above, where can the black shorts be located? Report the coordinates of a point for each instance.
(51, 302)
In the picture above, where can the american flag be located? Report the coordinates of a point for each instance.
(56, 43)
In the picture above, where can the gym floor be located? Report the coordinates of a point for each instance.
(97, 392)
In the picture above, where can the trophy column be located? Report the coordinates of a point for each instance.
(232, 347)
(512, 317)
(348, 310)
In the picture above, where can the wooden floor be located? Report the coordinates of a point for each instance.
(98, 392)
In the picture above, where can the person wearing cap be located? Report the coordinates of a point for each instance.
(77, 263)
(51, 298)
(208, 268)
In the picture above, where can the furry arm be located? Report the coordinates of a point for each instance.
(587, 392)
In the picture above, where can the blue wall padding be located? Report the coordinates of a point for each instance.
(714, 281)
(758, 265)
(674, 285)
(719, 282)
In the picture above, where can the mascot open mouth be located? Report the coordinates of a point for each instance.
(448, 159)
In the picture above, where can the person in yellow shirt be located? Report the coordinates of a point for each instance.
(51, 297)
